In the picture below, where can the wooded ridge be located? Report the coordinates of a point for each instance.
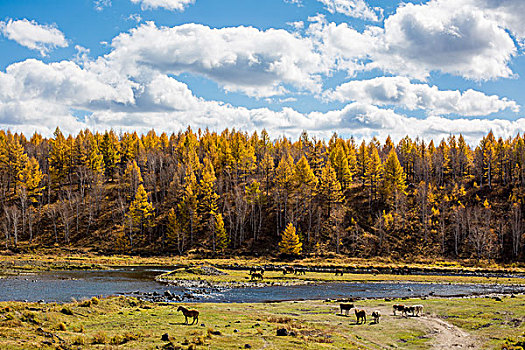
(237, 192)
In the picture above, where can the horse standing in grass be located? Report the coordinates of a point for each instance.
(376, 315)
(189, 313)
(360, 315)
(417, 310)
(346, 308)
(339, 272)
(398, 307)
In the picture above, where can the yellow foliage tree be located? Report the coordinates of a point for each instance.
(290, 242)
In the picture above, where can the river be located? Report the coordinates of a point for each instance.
(64, 286)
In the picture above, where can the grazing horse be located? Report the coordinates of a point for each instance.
(376, 315)
(408, 309)
(360, 315)
(300, 271)
(288, 269)
(256, 269)
(399, 307)
(189, 313)
(417, 310)
(256, 275)
(346, 308)
(339, 272)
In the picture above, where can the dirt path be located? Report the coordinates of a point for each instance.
(447, 336)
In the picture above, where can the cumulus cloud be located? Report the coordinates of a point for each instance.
(399, 91)
(39, 96)
(444, 36)
(172, 5)
(257, 63)
(33, 35)
(507, 13)
(353, 8)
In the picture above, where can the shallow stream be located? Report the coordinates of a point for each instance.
(63, 286)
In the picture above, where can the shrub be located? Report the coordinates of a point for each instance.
(79, 340)
(66, 311)
(100, 338)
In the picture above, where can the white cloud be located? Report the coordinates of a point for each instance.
(399, 91)
(101, 4)
(353, 8)
(39, 96)
(508, 14)
(33, 35)
(62, 83)
(257, 63)
(172, 5)
(446, 36)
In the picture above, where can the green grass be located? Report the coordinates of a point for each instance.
(277, 277)
(127, 323)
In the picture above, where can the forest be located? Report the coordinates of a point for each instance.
(236, 192)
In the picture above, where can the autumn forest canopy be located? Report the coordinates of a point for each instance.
(235, 192)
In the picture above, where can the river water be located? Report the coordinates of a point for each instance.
(64, 286)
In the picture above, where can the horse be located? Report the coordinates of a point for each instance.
(256, 269)
(408, 309)
(398, 307)
(300, 271)
(339, 272)
(376, 315)
(288, 269)
(256, 275)
(360, 315)
(189, 313)
(346, 308)
(418, 310)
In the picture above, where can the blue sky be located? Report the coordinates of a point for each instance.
(360, 68)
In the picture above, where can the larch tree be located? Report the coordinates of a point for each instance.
(306, 182)
(109, 147)
(174, 232)
(30, 179)
(220, 233)
(141, 213)
(394, 179)
(189, 204)
(332, 198)
(132, 179)
(208, 198)
(374, 172)
(58, 158)
(290, 243)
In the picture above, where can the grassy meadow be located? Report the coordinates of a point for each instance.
(128, 323)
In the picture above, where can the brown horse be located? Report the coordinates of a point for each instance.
(346, 308)
(189, 313)
(339, 272)
(399, 307)
(360, 315)
(376, 315)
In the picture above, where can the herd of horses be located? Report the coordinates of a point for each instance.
(360, 314)
(257, 273)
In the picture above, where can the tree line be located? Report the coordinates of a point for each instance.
(237, 192)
